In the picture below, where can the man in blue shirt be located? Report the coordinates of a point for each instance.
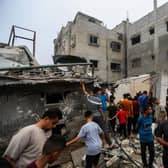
(143, 101)
(93, 136)
(146, 136)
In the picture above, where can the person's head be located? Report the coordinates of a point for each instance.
(112, 98)
(96, 91)
(50, 118)
(120, 107)
(88, 115)
(53, 147)
(156, 101)
(103, 90)
(145, 92)
(4, 163)
(125, 96)
(148, 110)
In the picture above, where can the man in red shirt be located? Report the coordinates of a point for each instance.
(122, 116)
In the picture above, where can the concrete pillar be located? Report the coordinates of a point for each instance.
(156, 39)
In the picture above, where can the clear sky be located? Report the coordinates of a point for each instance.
(48, 16)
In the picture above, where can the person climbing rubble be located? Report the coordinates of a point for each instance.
(93, 136)
(94, 105)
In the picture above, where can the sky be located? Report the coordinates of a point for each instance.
(47, 17)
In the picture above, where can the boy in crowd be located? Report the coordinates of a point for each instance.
(28, 143)
(122, 116)
(146, 136)
(51, 150)
(93, 136)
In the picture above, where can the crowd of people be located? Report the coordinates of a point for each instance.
(39, 145)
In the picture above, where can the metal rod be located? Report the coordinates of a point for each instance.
(21, 37)
(24, 28)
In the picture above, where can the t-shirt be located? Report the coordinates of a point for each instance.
(143, 102)
(162, 131)
(145, 128)
(122, 116)
(32, 165)
(94, 104)
(112, 110)
(127, 106)
(103, 99)
(26, 146)
(90, 133)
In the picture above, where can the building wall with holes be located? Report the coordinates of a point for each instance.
(141, 56)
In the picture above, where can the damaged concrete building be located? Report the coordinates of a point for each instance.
(88, 38)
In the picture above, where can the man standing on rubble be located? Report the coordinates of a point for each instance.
(94, 105)
(146, 137)
(26, 146)
(162, 137)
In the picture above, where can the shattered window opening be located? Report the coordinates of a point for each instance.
(116, 46)
(95, 63)
(136, 39)
(93, 40)
(116, 67)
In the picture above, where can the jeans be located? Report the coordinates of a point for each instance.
(123, 130)
(150, 146)
(103, 126)
(129, 125)
(92, 160)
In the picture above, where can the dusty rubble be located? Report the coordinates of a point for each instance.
(125, 154)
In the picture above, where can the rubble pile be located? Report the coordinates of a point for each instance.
(127, 154)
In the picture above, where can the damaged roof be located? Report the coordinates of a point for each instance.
(46, 74)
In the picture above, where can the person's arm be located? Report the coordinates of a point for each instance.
(81, 134)
(162, 141)
(139, 123)
(101, 134)
(73, 141)
(84, 88)
(159, 136)
(102, 138)
(115, 116)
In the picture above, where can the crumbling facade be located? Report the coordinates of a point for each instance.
(87, 37)
(141, 43)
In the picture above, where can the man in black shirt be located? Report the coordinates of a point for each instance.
(162, 138)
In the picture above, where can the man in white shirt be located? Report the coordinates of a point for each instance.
(26, 146)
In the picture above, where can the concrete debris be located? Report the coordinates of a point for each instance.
(128, 154)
